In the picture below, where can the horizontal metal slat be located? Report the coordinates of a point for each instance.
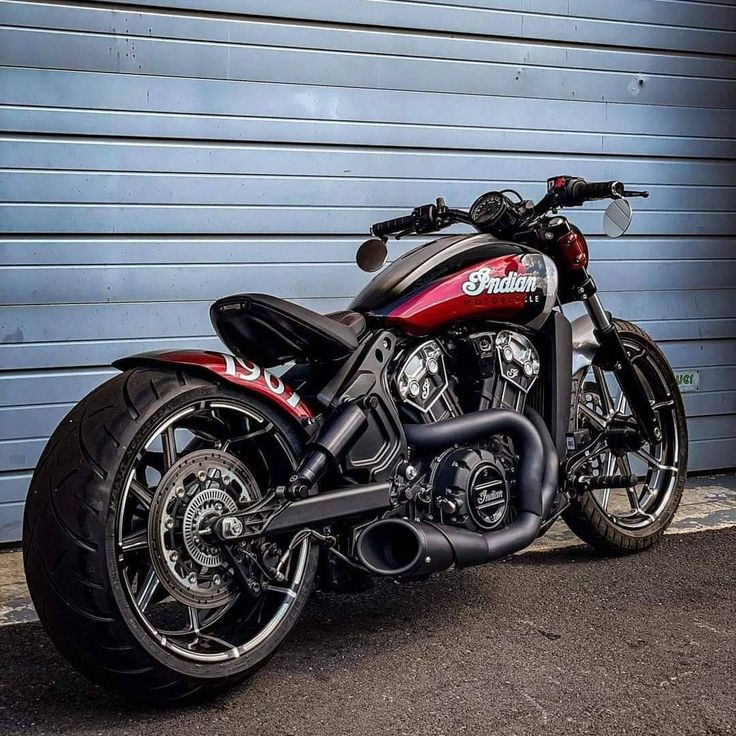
(13, 488)
(35, 356)
(690, 329)
(47, 387)
(56, 121)
(371, 163)
(22, 422)
(221, 102)
(660, 12)
(474, 20)
(710, 454)
(717, 356)
(699, 403)
(120, 250)
(161, 57)
(712, 427)
(94, 284)
(11, 522)
(23, 454)
(39, 186)
(188, 219)
(255, 31)
(117, 321)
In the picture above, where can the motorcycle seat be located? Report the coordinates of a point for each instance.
(269, 331)
(354, 320)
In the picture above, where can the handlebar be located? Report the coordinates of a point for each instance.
(590, 190)
(562, 191)
(388, 227)
(424, 219)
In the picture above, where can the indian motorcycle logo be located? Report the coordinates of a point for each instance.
(482, 282)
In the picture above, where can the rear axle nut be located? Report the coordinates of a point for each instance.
(232, 527)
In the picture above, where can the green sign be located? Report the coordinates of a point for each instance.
(688, 380)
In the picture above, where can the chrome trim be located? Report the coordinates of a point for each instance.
(584, 343)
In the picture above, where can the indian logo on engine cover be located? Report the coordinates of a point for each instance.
(483, 281)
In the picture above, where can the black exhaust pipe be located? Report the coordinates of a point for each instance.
(551, 463)
(403, 548)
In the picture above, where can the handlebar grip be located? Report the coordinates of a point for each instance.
(387, 227)
(587, 190)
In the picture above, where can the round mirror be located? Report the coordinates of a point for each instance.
(617, 218)
(371, 255)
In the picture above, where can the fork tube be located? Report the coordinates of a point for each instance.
(597, 313)
(615, 358)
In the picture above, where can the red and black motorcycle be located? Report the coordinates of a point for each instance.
(182, 513)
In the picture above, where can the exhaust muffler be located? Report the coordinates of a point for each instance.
(406, 549)
(403, 548)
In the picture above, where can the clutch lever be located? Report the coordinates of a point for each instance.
(635, 194)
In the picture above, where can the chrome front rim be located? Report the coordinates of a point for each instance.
(209, 458)
(655, 464)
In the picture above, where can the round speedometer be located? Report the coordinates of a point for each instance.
(488, 209)
(495, 213)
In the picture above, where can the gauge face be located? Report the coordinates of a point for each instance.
(487, 209)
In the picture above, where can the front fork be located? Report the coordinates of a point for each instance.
(612, 356)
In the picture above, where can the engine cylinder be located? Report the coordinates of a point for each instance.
(423, 385)
(509, 365)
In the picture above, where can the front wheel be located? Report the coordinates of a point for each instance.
(631, 519)
(121, 563)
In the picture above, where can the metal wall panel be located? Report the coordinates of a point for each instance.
(154, 156)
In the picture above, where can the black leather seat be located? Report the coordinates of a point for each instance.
(271, 331)
(354, 320)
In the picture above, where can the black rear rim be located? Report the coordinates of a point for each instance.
(208, 458)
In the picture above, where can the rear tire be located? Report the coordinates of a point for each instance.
(72, 558)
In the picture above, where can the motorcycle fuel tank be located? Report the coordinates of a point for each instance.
(466, 278)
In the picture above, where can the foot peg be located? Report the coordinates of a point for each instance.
(598, 482)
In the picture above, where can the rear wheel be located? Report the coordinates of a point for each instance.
(121, 564)
(631, 519)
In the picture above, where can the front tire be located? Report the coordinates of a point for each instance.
(602, 518)
(89, 542)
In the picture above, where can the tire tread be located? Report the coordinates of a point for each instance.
(66, 536)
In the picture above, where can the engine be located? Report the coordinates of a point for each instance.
(508, 364)
(423, 386)
(468, 486)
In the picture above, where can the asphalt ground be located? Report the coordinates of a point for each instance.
(554, 641)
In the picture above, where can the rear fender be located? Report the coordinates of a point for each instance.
(235, 371)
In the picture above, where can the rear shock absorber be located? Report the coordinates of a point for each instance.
(336, 436)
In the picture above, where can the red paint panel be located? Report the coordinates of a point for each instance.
(241, 373)
(473, 293)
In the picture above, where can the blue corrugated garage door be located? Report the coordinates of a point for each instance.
(156, 157)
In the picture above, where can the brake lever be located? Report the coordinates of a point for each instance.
(635, 194)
